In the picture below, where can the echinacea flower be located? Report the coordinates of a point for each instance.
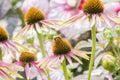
(27, 60)
(9, 71)
(33, 24)
(62, 50)
(64, 9)
(94, 11)
(35, 20)
(8, 46)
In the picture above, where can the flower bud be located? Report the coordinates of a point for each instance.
(117, 29)
(108, 34)
(108, 62)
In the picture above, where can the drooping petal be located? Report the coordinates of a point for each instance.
(105, 19)
(5, 76)
(75, 57)
(19, 63)
(82, 54)
(92, 22)
(38, 27)
(61, 23)
(98, 21)
(69, 60)
(22, 32)
(27, 71)
(53, 23)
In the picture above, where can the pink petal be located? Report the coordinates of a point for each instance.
(107, 22)
(62, 58)
(18, 63)
(40, 70)
(69, 60)
(38, 27)
(22, 32)
(27, 71)
(98, 21)
(92, 22)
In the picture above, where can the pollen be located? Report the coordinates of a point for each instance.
(61, 46)
(34, 15)
(27, 57)
(3, 35)
(93, 7)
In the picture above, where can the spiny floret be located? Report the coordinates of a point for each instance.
(93, 7)
(61, 46)
(27, 57)
(3, 35)
(34, 15)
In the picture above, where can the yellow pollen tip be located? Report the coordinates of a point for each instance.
(93, 7)
(3, 35)
(27, 57)
(34, 15)
(61, 46)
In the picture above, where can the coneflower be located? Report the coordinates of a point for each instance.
(28, 61)
(63, 51)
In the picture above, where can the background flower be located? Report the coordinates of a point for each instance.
(42, 5)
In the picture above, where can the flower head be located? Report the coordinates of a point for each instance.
(93, 7)
(61, 46)
(27, 57)
(34, 15)
(3, 35)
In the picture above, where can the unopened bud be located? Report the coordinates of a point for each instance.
(117, 29)
(108, 34)
(108, 62)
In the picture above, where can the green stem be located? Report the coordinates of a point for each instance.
(65, 69)
(48, 75)
(113, 48)
(21, 16)
(0, 54)
(41, 42)
(93, 51)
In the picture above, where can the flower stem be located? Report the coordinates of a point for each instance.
(48, 75)
(41, 42)
(93, 51)
(65, 69)
(0, 54)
